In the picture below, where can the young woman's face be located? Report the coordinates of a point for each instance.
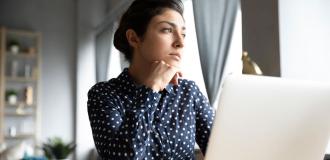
(163, 39)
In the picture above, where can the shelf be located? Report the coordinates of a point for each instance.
(20, 70)
(21, 79)
(22, 55)
(19, 115)
(21, 136)
(19, 104)
(23, 33)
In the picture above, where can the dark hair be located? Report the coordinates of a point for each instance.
(137, 17)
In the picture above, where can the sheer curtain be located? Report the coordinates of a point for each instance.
(214, 20)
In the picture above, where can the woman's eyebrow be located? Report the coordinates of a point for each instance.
(172, 24)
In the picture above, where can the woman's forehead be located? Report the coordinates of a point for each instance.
(171, 17)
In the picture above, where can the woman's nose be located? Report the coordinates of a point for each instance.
(179, 41)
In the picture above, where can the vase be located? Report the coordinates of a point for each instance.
(12, 99)
(14, 49)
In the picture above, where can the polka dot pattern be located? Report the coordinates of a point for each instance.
(134, 122)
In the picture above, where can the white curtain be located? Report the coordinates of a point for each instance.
(214, 20)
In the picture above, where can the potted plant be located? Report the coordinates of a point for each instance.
(11, 96)
(14, 46)
(55, 148)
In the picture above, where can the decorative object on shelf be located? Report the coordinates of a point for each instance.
(35, 72)
(17, 151)
(3, 147)
(14, 46)
(30, 51)
(29, 95)
(12, 131)
(14, 68)
(11, 96)
(20, 109)
(249, 66)
(27, 71)
(55, 148)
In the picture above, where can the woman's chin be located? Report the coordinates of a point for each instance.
(174, 63)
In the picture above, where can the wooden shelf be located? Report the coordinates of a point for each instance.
(22, 55)
(20, 136)
(20, 103)
(20, 79)
(23, 33)
(19, 115)
(25, 62)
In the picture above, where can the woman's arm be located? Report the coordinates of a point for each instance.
(204, 120)
(115, 123)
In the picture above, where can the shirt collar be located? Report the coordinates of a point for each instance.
(169, 88)
(126, 77)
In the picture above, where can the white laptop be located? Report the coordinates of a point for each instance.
(268, 118)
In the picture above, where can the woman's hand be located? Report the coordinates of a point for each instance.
(161, 74)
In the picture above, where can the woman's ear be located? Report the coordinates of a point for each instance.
(132, 38)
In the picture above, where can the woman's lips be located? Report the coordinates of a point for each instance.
(176, 55)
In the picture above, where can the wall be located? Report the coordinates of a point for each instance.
(260, 34)
(56, 20)
(305, 36)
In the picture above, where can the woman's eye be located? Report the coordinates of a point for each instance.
(167, 30)
(184, 35)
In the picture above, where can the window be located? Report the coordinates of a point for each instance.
(234, 63)
(191, 65)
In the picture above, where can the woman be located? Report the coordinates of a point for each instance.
(148, 112)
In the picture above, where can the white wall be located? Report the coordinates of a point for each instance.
(56, 21)
(305, 39)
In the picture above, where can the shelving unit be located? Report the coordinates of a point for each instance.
(19, 86)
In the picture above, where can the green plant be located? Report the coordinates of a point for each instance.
(13, 42)
(55, 148)
(11, 92)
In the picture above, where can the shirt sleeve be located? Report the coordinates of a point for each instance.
(204, 120)
(111, 125)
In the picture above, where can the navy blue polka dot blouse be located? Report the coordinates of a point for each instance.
(134, 122)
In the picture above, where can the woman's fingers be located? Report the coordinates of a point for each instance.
(175, 79)
(180, 74)
(161, 74)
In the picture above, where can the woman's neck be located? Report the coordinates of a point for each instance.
(139, 69)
